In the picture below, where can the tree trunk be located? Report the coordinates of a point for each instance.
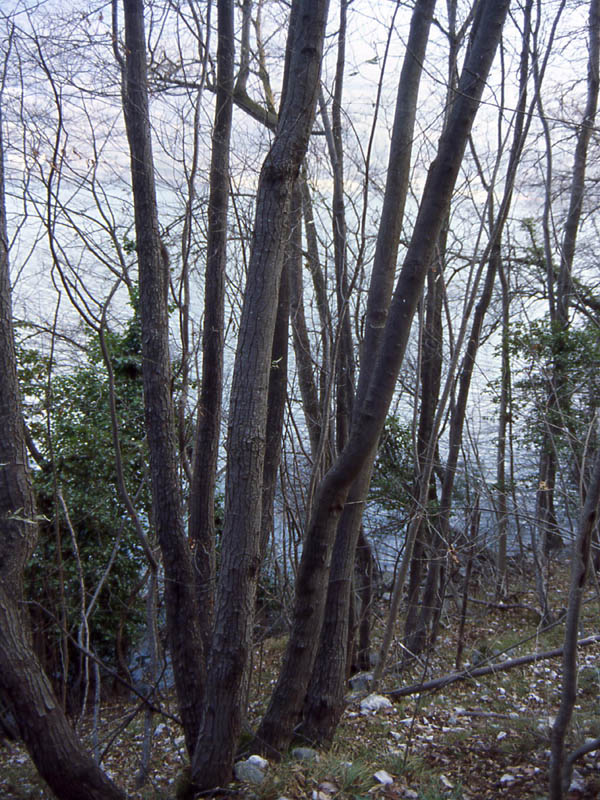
(240, 552)
(556, 423)
(183, 610)
(457, 419)
(325, 700)
(286, 703)
(277, 395)
(579, 569)
(582, 545)
(503, 415)
(431, 375)
(206, 451)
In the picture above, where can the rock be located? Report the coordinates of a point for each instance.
(361, 682)
(374, 702)
(249, 773)
(305, 754)
(383, 777)
(260, 762)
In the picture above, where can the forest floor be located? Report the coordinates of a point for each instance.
(475, 739)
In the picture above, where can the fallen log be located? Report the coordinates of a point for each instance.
(477, 672)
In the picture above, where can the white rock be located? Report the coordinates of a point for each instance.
(506, 778)
(375, 702)
(260, 762)
(383, 777)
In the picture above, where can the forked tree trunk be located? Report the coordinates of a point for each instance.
(25, 689)
(183, 608)
(325, 698)
(240, 551)
(276, 729)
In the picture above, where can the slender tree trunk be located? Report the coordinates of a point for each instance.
(582, 545)
(503, 414)
(580, 560)
(25, 689)
(364, 571)
(278, 378)
(240, 552)
(457, 419)
(302, 352)
(183, 611)
(286, 703)
(557, 403)
(431, 376)
(206, 452)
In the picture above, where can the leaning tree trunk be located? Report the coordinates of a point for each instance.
(183, 609)
(325, 697)
(25, 689)
(430, 605)
(276, 729)
(240, 550)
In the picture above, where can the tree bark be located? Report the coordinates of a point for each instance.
(286, 703)
(202, 490)
(431, 602)
(324, 703)
(240, 552)
(579, 569)
(183, 612)
(558, 782)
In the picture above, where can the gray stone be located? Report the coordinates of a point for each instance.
(249, 773)
(305, 754)
(361, 682)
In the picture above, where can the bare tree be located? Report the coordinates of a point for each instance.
(286, 703)
(240, 548)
